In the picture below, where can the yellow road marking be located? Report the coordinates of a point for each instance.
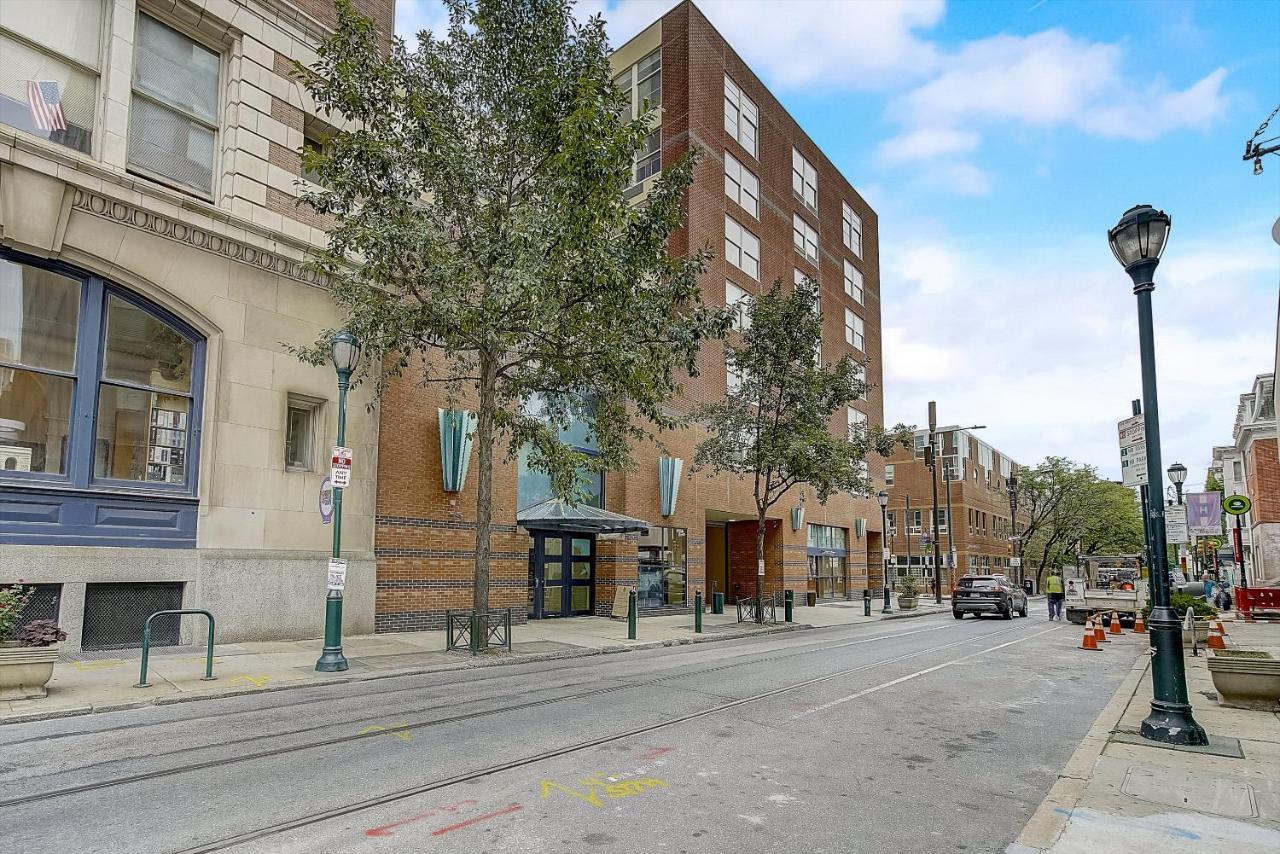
(256, 681)
(400, 731)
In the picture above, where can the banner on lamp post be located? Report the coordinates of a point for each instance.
(1204, 514)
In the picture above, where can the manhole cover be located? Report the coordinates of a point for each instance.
(1204, 794)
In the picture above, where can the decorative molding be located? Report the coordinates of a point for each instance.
(104, 207)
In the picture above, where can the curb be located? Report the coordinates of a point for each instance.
(473, 664)
(1050, 819)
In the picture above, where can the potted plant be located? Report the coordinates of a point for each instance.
(908, 593)
(1246, 678)
(27, 653)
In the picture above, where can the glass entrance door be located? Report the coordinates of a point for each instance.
(562, 568)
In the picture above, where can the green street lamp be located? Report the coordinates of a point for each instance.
(344, 350)
(883, 498)
(1137, 241)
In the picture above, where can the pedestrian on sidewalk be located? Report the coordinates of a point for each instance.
(1053, 586)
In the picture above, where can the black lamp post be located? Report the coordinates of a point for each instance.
(344, 350)
(1011, 485)
(1137, 241)
(1178, 475)
(883, 498)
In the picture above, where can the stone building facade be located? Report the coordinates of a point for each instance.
(772, 206)
(160, 446)
(1254, 438)
(978, 479)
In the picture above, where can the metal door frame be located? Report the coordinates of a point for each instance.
(537, 572)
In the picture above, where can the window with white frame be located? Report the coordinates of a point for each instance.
(852, 229)
(914, 518)
(642, 84)
(852, 281)
(739, 301)
(855, 330)
(940, 520)
(732, 376)
(741, 185)
(860, 374)
(857, 419)
(173, 119)
(804, 180)
(302, 423)
(50, 69)
(741, 248)
(648, 158)
(741, 118)
(805, 238)
(888, 475)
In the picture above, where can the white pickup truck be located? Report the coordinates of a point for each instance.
(1105, 583)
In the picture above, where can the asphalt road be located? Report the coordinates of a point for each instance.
(910, 735)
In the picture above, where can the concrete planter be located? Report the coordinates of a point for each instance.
(25, 670)
(1202, 634)
(1246, 683)
(907, 603)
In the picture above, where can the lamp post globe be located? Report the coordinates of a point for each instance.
(1177, 476)
(344, 351)
(883, 497)
(1138, 240)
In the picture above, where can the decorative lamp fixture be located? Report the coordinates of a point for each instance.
(669, 470)
(344, 350)
(457, 429)
(883, 498)
(1138, 241)
(797, 518)
(1177, 474)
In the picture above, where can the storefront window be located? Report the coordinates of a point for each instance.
(663, 568)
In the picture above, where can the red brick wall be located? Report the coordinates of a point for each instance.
(1262, 473)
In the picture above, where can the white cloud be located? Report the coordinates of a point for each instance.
(926, 143)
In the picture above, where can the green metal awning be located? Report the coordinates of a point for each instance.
(556, 515)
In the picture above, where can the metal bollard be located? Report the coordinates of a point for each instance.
(697, 612)
(866, 602)
(788, 605)
(717, 602)
(631, 615)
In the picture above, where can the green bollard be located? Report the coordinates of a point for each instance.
(631, 615)
(697, 612)
(717, 602)
(789, 603)
(866, 602)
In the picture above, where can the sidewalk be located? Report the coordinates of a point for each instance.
(102, 682)
(1119, 793)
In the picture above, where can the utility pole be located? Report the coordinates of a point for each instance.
(951, 524)
(906, 531)
(931, 460)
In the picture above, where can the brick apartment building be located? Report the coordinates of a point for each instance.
(1255, 456)
(159, 448)
(978, 477)
(773, 207)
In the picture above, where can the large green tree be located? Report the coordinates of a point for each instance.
(480, 185)
(774, 425)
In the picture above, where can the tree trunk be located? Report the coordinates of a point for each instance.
(759, 563)
(484, 483)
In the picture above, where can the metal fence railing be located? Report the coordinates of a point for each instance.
(114, 614)
(471, 631)
(749, 610)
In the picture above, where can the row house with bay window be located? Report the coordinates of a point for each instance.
(161, 446)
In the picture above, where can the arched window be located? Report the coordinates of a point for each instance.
(99, 396)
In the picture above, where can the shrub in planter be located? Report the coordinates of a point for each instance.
(12, 601)
(908, 592)
(1182, 601)
(27, 654)
(40, 633)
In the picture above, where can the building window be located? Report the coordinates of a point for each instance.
(49, 76)
(804, 180)
(741, 119)
(852, 230)
(97, 388)
(664, 568)
(741, 248)
(888, 475)
(648, 160)
(302, 420)
(940, 520)
(860, 373)
(852, 281)
(316, 139)
(857, 419)
(913, 521)
(855, 330)
(732, 376)
(805, 238)
(740, 301)
(741, 185)
(173, 120)
(641, 84)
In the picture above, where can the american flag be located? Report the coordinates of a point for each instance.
(46, 105)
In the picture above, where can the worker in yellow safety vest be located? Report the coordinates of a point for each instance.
(1053, 586)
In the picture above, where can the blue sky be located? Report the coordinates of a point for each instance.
(998, 141)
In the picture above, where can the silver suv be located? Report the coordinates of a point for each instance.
(988, 594)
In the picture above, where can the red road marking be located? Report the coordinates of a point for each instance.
(452, 827)
(385, 830)
(655, 752)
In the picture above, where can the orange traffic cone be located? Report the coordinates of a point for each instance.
(1089, 641)
(1139, 627)
(1222, 629)
(1115, 623)
(1099, 633)
(1215, 639)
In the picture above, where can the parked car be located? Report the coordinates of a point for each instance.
(988, 594)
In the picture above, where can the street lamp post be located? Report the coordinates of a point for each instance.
(1177, 475)
(344, 350)
(931, 460)
(1137, 241)
(883, 497)
(1012, 486)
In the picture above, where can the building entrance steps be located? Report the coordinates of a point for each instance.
(101, 682)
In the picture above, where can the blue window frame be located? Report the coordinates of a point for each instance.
(100, 411)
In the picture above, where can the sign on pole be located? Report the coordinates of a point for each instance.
(1175, 524)
(326, 501)
(1204, 513)
(1015, 562)
(1236, 505)
(340, 471)
(337, 573)
(1133, 451)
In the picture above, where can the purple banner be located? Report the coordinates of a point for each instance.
(1204, 514)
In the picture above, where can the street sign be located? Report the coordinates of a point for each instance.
(340, 472)
(1133, 431)
(886, 554)
(760, 568)
(1175, 524)
(326, 501)
(337, 573)
(1015, 562)
(1204, 513)
(1133, 451)
(1236, 505)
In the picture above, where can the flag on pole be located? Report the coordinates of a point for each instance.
(45, 103)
